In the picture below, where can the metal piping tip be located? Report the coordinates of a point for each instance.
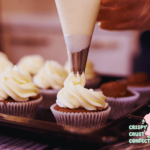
(78, 60)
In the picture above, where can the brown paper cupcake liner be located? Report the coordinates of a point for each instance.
(49, 98)
(121, 106)
(81, 120)
(144, 94)
(93, 83)
(22, 109)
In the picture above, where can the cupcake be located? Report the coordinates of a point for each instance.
(140, 82)
(77, 106)
(31, 63)
(120, 98)
(92, 78)
(50, 79)
(18, 95)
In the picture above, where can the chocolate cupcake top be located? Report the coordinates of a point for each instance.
(115, 89)
(17, 84)
(139, 79)
(74, 95)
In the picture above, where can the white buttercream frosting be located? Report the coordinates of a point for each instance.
(3, 55)
(17, 84)
(4, 62)
(74, 95)
(89, 70)
(51, 75)
(31, 63)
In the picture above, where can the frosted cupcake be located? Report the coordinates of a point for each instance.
(92, 79)
(140, 82)
(50, 79)
(77, 106)
(120, 99)
(31, 63)
(18, 95)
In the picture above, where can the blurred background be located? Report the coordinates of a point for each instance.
(33, 27)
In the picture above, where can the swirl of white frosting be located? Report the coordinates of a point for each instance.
(51, 75)
(4, 62)
(89, 70)
(31, 63)
(17, 84)
(74, 95)
(3, 55)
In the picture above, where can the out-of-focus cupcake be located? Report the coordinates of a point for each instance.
(120, 98)
(4, 62)
(18, 95)
(92, 78)
(31, 63)
(3, 55)
(140, 82)
(77, 106)
(50, 79)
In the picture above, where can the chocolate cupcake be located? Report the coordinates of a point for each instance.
(18, 95)
(92, 78)
(140, 82)
(77, 106)
(50, 79)
(120, 98)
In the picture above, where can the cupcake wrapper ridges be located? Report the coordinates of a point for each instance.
(21, 109)
(121, 106)
(144, 94)
(49, 98)
(81, 120)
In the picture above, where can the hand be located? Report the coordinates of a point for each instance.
(124, 15)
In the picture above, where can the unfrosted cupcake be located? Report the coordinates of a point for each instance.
(120, 99)
(50, 79)
(92, 78)
(18, 95)
(140, 82)
(77, 106)
(31, 63)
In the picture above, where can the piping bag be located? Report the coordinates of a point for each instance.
(78, 18)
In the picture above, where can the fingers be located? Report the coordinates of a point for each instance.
(113, 3)
(121, 14)
(119, 26)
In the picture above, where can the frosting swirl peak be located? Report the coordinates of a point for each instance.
(51, 75)
(17, 84)
(31, 63)
(74, 95)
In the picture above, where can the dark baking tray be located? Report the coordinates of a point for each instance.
(43, 129)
